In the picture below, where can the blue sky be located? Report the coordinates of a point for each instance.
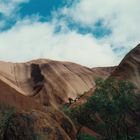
(43, 8)
(89, 32)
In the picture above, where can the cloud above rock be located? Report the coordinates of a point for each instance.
(30, 38)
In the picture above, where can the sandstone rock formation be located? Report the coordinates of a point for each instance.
(129, 68)
(51, 82)
(103, 72)
(35, 125)
(36, 88)
(31, 119)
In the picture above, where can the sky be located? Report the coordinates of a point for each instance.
(89, 32)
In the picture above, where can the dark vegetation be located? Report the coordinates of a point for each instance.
(113, 111)
(83, 136)
(15, 125)
(6, 115)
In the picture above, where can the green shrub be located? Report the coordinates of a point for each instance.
(6, 114)
(117, 106)
(83, 136)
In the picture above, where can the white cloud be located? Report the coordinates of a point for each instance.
(121, 16)
(28, 41)
(9, 7)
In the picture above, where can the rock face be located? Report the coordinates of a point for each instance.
(129, 68)
(32, 120)
(103, 72)
(36, 89)
(12, 95)
(35, 125)
(51, 82)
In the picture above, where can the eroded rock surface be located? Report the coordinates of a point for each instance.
(51, 82)
(35, 125)
(36, 89)
(129, 68)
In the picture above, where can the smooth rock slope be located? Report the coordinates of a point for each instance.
(51, 82)
(129, 68)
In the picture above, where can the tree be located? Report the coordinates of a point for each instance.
(112, 110)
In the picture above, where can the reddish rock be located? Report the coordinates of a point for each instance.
(129, 68)
(51, 82)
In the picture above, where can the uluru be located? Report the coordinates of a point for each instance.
(69, 70)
